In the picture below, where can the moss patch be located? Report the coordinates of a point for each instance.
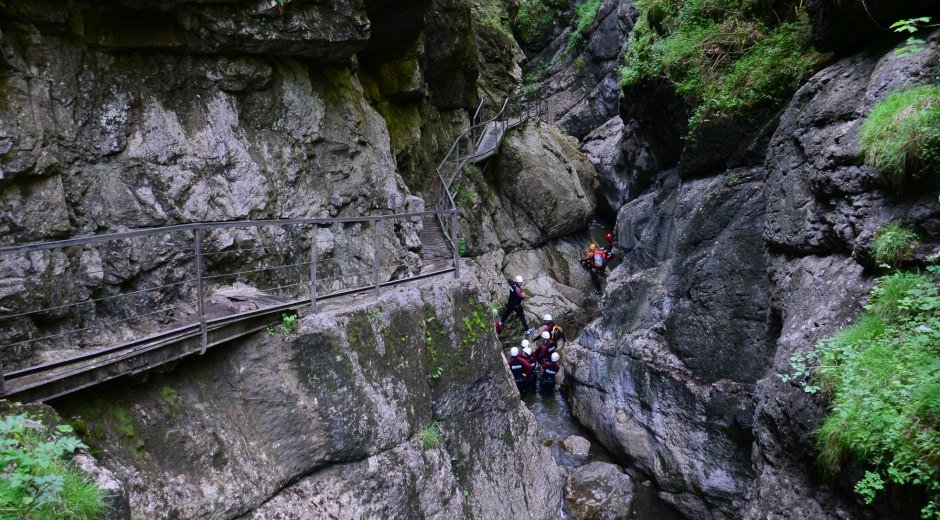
(724, 57)
(173, 402)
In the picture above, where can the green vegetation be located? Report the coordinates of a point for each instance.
(493, 16)
(901, 136)
(174, 403)
(433, 333)
(287, 326)
(431, 436)
(893, 245)
(37, 481)
(724, 57)
(475, 324)
(910, 26)
(463, 194)
(584, 17)
(883, 377)
(530, 84)
(461, 247)
(535, 18)
(124, 421)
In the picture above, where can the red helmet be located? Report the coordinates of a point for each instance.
(609, 236)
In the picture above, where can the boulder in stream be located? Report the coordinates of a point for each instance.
(577, 445)
(600, 491)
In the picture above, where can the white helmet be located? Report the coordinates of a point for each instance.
(547, 317)
(525, 344)
(545, 334)
(518, 279)
(527, 351)
(513, 352)
(555, 356)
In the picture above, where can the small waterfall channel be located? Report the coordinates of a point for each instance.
(556, 423)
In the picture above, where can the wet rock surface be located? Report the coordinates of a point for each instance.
(578, 446)
(579, 86)
(599, 491)
(725, 275)
(333, 419)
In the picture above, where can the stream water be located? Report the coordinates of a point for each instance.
(556, 423)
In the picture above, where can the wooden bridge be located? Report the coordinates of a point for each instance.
(201, 288)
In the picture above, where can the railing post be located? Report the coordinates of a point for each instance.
(378, 258)
(2, 387)
(313, 269)
(201, 293)
(453, 234)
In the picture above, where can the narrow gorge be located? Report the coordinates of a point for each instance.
(252, 252)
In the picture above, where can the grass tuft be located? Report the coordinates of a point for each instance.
(431, 436)
(893, 245)
(901, 136)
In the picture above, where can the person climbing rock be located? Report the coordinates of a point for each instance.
(546, 348)
(548, 324)
(596, 262)
(521, 370)
(527, 357)
(611, 243)
(514, 304)
(550, 370)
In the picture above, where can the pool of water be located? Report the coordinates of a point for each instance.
(556, 423)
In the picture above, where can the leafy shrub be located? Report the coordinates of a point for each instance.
(910, 26)
(535, 17)
(431, 436)
(36, 479)
(724, 57)
(584, 17)
(893, 245)
(883, 375)
(287, 326)
(901, 135)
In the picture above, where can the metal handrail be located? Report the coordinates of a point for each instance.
(444, 209)
(474, 141)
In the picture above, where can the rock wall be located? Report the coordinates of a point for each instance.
(728, 273)
(118, 115)
(329, 421)
(125, 114)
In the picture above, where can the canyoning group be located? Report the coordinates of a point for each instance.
(539, 369)
(531, 370)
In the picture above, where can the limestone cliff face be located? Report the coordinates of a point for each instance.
(328, 422)
(127, 113)
(119, 115)
(736, 257)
